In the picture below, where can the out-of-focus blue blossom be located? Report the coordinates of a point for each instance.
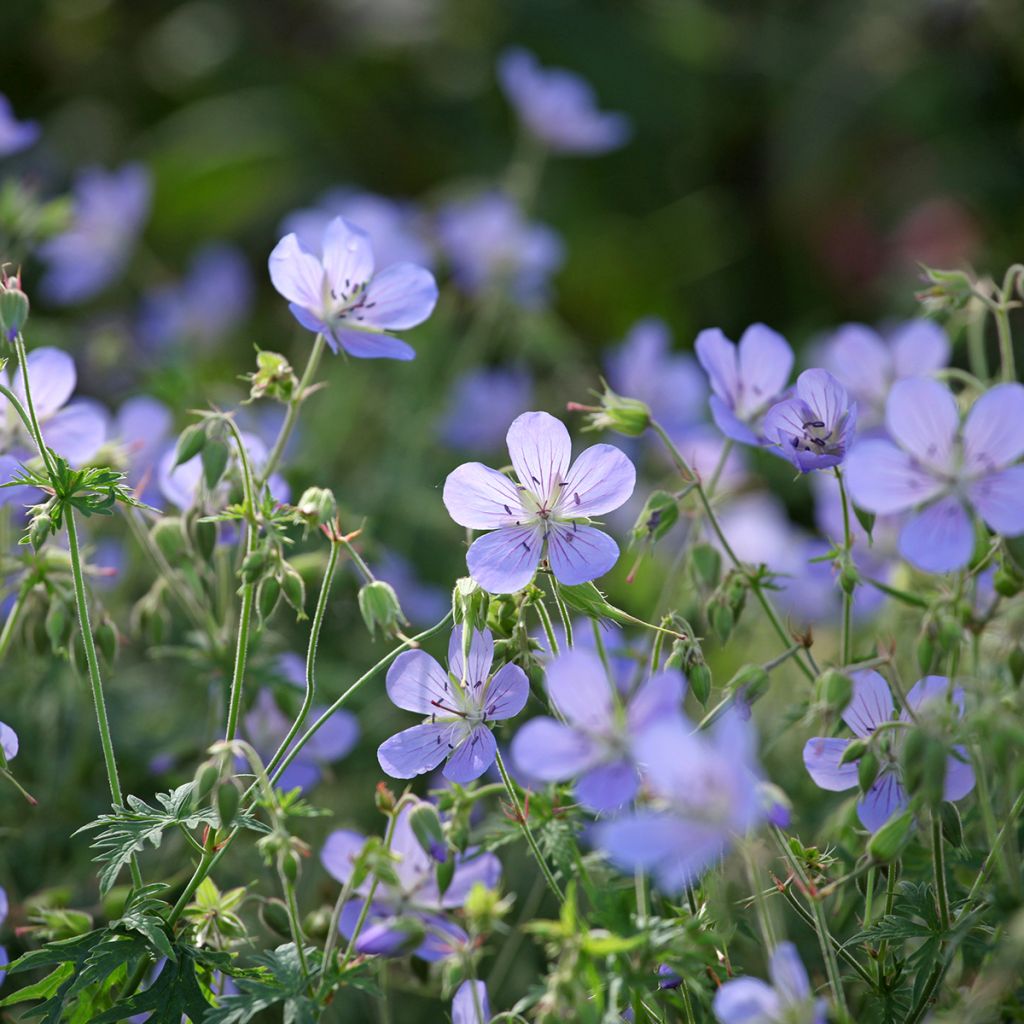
(542, 515)
(212, 299)
(416, 896)
(815, 428)
(483, 403)
(868, 363)
(15, 135)
(705, 793)
(746, 379)
(469, 1007)
(787, 1000)
(8, 741)
(423, 603)
(670, 383)
(597, 745)
(396, 229)
(3, 917)
(335, 291)
(109, 211)
(871, 707)
(942, 469)
(143, 426)
(458, 704)
(558, 107)
(490, 245)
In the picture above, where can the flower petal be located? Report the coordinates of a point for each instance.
(481, 498)
(472, 757)
(922, 417)
(999, 499)
(507, 693)
(940, 538)
(729, 423)
(657, 699)
(580, 688)
(959, 780)
(77, 431)
(416, 681)
(600, 480)
(825, 396)
(994, 429)
(347, 257)
(470, 1008)
(398, 298)
(788, 974)
(372, 345)
(717, 355)
(51, 372)
(746, 1001)
(765, 362)
(8, 744)
(339, 853)
(883, 479)
(471, 868)
(505, 561)
(552, 752)
(579, 553)
(886, 796)
(861, 360)
(821, 759)
(297, 274)
(871, 704)
(608, 787)
(919, 347)
(540, 448)
(481, 655)
(420, 749)
(933, 689)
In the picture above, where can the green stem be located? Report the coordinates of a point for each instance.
(939, 868)
(517, 809)
(19, 409)
(549, 629)
(1008, 826)
(33, 420)
(292, 906)
(846, 634)
(1008, 369)
(292, 413)
(12, 618)
(563, 612)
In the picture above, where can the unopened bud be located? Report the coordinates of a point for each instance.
(834, 690)
(947, 291)
(274, 378)
(378, 604)
(14, 307)
(190, 443)
(887, 842)
(750, 683)
(317, 506)
(659, 514)
(628, 416)
(700, 682)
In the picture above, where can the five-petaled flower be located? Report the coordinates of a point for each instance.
(747, 379)
(787, 1000)
(459, 702)
(942, 469)
(870, 708)
(813, 429)
(598, 742)
(543, 515)
(337, 294)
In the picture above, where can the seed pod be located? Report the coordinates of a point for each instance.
(834, 690)
(228, 799)
(289, 863)
(268, 596)
(58, 625)
(750, 683)
(105, 637)
(889, 840)
(253, 565)
(274, 915)
(206, 778)
(700, 682)
(169, 536)
(854, 751)
(215, 457)
(294, 590)
(867, 771)
(190, 443)
(1015, 662)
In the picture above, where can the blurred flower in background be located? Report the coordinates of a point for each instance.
(15, 135)
(483, 403)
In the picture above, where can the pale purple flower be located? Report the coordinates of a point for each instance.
(600, 743)
(872, 706)
(142, 426)
(109, 211)
(15, 135)
(395, 227)
(558, 107)
(335, 292)
(206, 306)
(670, 383)
(416, 896)
(868, 363)
(705, 793)
(470, 1008)
(489, 244)
(422, 602)
(943, 469)
(74, 429)
(265, 725)
(815, 428)
(8, 742)
(3, 917)
(483, 402)
(459, 703)
(746, 379)
(546, 513)
(787, 1000)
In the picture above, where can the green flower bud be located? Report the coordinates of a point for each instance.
(834, 690)
(867, 771)
(294, 589)
(317, 506)
(925, 651)
(700, 682)
(228, 799)
(658, 516)
(206, 778)
(750, 683)
(14, 307)
(204, 536)
(214, 456)
(190, 443)
(444, 872)
(628, 416)
(469, 603)
(267, 597)
(947, 291)
(484, 909)
(924, 767)
(105, 636)
(288, 861)
(426, 827)
(274, 915)
(169, 536)
(1015, 663)
(253, 565)
(1006, 582)
(378, 604)
(317, 923)
(889, 840)
(854, 751)
(721, 618)
(59, 625)
(952, 826)
(848, 577)
(274, 378)
(384, 798)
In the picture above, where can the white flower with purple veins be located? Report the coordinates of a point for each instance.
(746, 379)
(490, 244)
(705, 792)
(787, 1000)
(414, 895)
(558, 107)
(335, 292)
(597, 744)
(868, 364)
(871, 708)
(15, 135)
(545, 514)
(815, 428)
(942, 469)
(109, 211)
(459, 703)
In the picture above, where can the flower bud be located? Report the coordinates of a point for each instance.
(274, 915)
(1006, 582)
(854, 751)
(190, 443)
(947, 291)
(700, 682)
(721, 618)
(58, 625)
(204, 537)
(253, 565)
(317, 923)
(169, 537)
(628, 416)
(267, 597)
(444, 872)
(317, 506)
(469, 603)
(925, 651)
(848, 577)
(384, 798)
(952, 826)
(105, 636)
(274, 378)
(484, 908)
(294, 589)
(867, 771)
(1015, 663)
(749, 684)
(228, 799)
(924, 767)
(205, 779)
(659, 514)
(378, 604)
(14, 307)
(288, 861)
(425, 823)
(214, 457)
(834, 690)
(886, 843)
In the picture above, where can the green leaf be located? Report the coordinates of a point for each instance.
(41, 989)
